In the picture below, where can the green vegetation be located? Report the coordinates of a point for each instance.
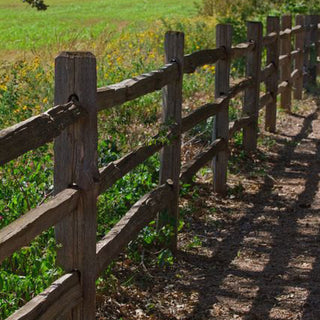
(126, 44)
(127, 38)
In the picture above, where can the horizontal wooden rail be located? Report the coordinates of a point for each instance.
(241, 50)
(36, 131)
(283, 59)
(269, 39)
(239, 124)
(55, 301)
(296, 53)
(22, 231)
(295, 74)
(127, 229)
(203, 113)
(297, 29)
(117, 169)
(192, 167)
(282, 86)
(265, 99)
(285, 33)
(267, 72)
(130, 89)
(200, 58)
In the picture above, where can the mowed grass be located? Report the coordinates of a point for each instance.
(68, 22)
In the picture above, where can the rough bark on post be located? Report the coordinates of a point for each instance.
(221, 123)
(252, 94)
(170, 156)
(75, 152)
(273, 25)
(299, 45)
(285, 72)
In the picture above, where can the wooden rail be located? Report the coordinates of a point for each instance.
(73, 125)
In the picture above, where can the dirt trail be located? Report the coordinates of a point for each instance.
(253, 255)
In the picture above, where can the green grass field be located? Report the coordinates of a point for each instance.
(68, 22)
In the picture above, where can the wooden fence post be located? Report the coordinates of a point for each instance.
(317, 48)
(285, 72)
(314, 19)
(273, 25)
(299, 45)
(221, 121)
(252, 94)
(75, 154)
(306, 57)
(170, 156)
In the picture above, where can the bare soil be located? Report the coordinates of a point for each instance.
(252, 255)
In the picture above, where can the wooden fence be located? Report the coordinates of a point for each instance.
(290, 66)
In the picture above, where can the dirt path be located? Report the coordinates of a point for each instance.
(253, 255)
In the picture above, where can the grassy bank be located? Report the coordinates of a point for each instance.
(69, 24)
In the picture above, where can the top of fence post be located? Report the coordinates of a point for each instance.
(76, 163)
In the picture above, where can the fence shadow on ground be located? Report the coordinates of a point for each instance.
(286, 240)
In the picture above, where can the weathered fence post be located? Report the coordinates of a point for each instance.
(299, 45)
(285, 70)
(252, 94)
(273, 25)
(170, 156)
(221, 121)
(306, 57)
(75, 154)
(317, 47)
(314, 19)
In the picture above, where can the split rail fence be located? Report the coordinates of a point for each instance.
(72, 124)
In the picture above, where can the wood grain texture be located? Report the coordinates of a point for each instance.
(201, 159)
(295, 74)
(239, 124)
(221, 123)
(200, 58)
(23, 230)
(115, 170)
(170, 156)
(314, 20)
(251, 96)
(240, 50)
(267, 71)
(271, 82)
(282, 86)
(266, 99)
(130, 89)
(38, 130)
(307, 50)
(284, 59)
(64, 294)
(269, 38)
(127, 229)
(76, 163)
(285, 65)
